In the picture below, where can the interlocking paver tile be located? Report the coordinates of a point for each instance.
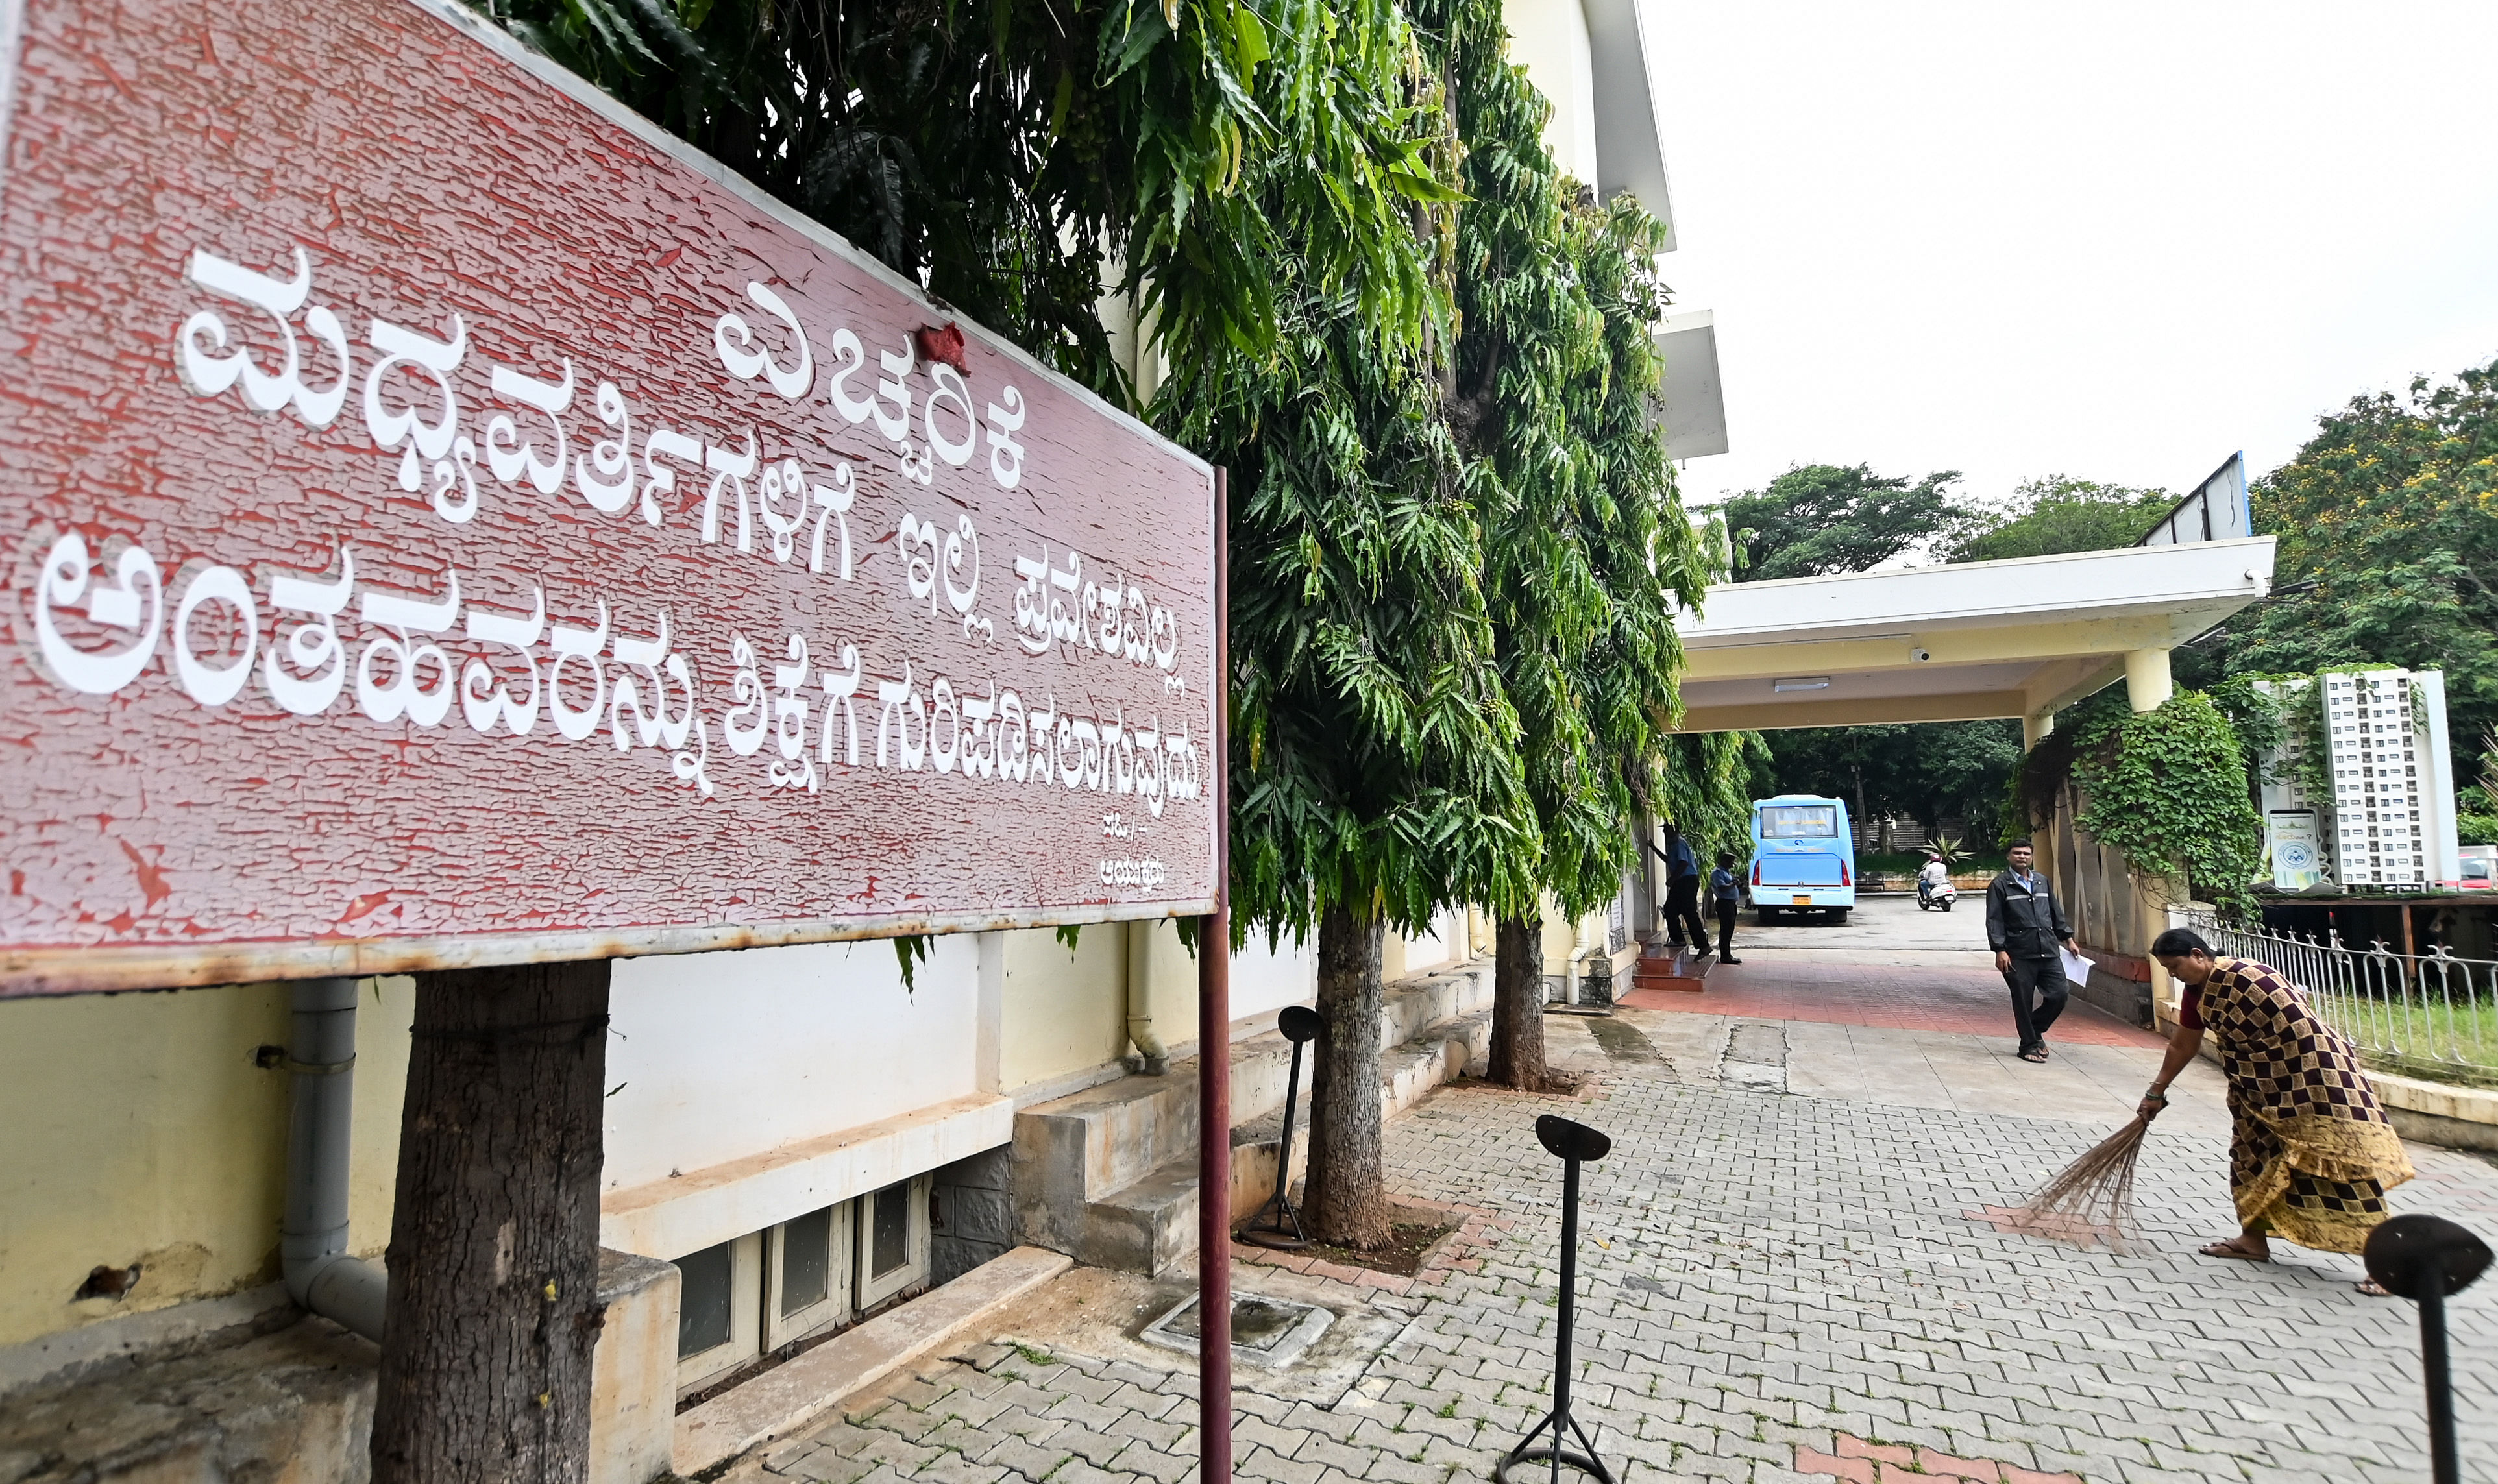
(1775, 1288)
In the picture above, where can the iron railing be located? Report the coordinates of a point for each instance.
(2426, 1014)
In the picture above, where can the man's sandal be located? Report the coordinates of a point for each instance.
(2034, 1054)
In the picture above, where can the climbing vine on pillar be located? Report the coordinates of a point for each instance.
(2168, 788)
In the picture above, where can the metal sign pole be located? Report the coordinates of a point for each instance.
(1214, 1053)
(2427, 1258)
(1300, 1025)
(1572, 1143)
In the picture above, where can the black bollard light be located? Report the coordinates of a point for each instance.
(1572, 1143)
(1299, 1024)
(2429, 1259)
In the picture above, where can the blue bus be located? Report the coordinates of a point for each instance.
(1803, 857)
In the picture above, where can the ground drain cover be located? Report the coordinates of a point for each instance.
(1270, 1334)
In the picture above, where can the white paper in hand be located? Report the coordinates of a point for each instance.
(2077, 969)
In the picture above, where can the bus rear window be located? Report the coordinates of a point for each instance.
(1799, 821)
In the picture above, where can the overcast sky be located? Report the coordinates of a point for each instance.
(2113, 241)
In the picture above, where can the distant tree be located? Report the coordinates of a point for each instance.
(2058, 514)
(2388, 527)
(1824, 518)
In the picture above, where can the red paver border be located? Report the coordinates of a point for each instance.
(1960, 1001)
(1871, 1463)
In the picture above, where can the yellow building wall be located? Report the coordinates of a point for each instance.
(139, 1130)
(1063, 1012)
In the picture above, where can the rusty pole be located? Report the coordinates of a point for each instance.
(1214, 1055)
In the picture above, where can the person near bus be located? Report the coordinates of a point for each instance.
(1681, 889)
(1725, 899)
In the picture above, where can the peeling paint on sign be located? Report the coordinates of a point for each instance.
(455, 524)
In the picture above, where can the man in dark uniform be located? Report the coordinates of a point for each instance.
(2024, 925)
(1681, 888)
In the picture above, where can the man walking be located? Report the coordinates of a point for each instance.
(1681, 889)
(2024, 925)
(1725, 896)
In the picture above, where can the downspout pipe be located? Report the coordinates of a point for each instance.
(1151, 1053)
(321, 1102)
(1579, 947)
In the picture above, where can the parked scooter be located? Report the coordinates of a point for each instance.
(1932, 894)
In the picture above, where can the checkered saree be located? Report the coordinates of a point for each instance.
(2310, 1154)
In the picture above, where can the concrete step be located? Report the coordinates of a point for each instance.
(1109, 1174)
(1664, 967)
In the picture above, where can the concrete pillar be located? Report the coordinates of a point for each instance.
(2147, 682)
(2037, 728)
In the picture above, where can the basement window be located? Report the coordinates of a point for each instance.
(719, 1309)
(893, 1249)
(793, 1282)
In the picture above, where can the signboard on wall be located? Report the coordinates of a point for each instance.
(452, 524)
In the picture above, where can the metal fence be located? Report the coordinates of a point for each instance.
(2429, 1015)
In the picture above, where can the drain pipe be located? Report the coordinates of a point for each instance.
(1579, 947)
(1140, 959)
(312, 1245)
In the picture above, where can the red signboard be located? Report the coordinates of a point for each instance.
(456, 524)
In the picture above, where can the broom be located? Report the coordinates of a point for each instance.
(2092, 1199)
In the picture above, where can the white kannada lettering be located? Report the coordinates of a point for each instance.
(658, 479)
(207, 374)
(567, 642)
(653, 727)
(726, 468)
(133, 602)
(452, 453)
(612, 490)
(1006, 455)
(746, 361)
(747, 688)
(404, 695)
(212, 684)
(483, 697)
(790, 721)
(312, 645)
(842, 691)
(505, 454)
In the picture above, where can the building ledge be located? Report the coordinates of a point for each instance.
(697, 1208)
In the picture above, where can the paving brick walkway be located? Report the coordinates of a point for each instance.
(1777, 1288)
(1969, 1002)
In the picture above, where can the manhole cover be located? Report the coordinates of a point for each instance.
(1268, 1333)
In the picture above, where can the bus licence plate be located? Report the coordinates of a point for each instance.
(1802, 900)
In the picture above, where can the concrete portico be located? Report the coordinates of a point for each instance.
(1998, 639)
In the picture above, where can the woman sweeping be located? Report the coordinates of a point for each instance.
(2310, 1154)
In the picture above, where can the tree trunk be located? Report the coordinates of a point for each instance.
(1347, 1190)
(1516, 1007)
(494, 1251)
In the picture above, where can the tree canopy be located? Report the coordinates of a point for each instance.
(2058, 514)
(2388, 550)
(1825, 518)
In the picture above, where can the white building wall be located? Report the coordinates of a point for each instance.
(719, 1057)
(1549, 38)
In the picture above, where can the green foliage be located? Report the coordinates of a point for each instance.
(1823, 519)
(2476, 804)
(912, 952)
(2167, 787)
(1008, 155)
(1706, 783)
(2389, 547)
(2059, 514)
(1548, 397)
